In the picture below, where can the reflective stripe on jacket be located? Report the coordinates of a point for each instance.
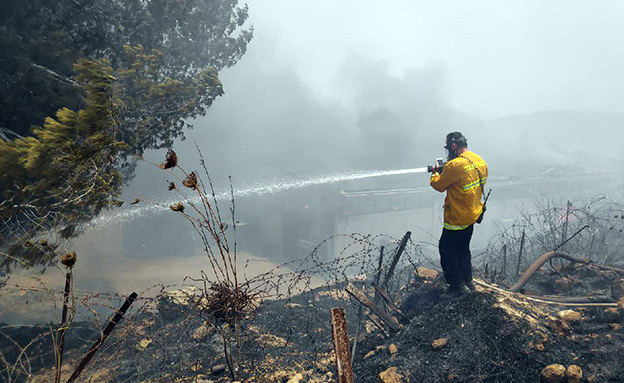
(460, 180)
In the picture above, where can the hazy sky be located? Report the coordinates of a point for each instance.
(498, 57)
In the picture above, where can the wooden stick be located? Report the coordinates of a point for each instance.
(395, 260)
(520, 253)
(341, 345)
(357, 333)
(363, 299)
(63, 327)
(504, 261)
(378, 273)
(96, 346)
(387, 299)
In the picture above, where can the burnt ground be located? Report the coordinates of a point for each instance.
(496, 337)
(492, 336)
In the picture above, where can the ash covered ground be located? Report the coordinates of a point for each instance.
(490, 335)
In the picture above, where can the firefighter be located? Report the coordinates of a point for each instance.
(463, 178)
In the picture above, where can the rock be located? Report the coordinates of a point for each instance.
(143, 344)
(620, 303)
(613, 314)
(439, 343)
(391, 375)
(574, 374)
(218, 369)
(173, 304)
(425, 273)
(570, 316)
(555, 373)
(203, 331)
(617, 289)
(370, 327)
(393, 349)
(563, 285)
(297, 378)
(560, 327)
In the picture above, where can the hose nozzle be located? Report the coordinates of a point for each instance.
(439, 164)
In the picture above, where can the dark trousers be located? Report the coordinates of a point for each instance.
(455, 255)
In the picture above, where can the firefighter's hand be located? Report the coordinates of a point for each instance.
(436, 169)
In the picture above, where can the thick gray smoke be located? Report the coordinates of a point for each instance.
(335, 87)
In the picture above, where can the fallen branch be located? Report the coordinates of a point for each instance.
(363, 299)
(387, 299)
(587, 299)
(556, 254)
(543, 300)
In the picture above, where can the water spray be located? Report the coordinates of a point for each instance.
(259, 189)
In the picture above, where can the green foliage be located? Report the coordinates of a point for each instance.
(155, 106)
(120, 76)
(66, 171)
(40, 41)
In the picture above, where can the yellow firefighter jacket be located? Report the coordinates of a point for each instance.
(464, 190)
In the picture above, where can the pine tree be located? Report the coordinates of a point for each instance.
(66, 172)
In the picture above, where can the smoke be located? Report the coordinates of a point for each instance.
(347, 87)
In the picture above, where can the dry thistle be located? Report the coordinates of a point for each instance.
(136, 200)
(171, 186)
(177, 207)
(170, 161)
(68, 259)
(117, 203)
(190, 181)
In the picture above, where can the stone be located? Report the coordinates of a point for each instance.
(613, 314)
(173, 304)
(297, 378)
(393, 349)
(439, 343)
(563, 284)
(390, 375)
(617, 289)
(203, 331)
(143, 344)
(425, 273)
(620, 303)
(555, 373)
(574, 374)
(218, 369)
(570, 316)
(560, 327)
